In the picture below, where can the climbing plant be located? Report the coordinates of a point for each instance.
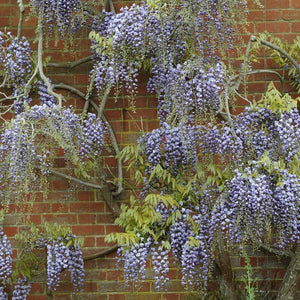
(209, 179)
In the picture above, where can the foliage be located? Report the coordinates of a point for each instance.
(248, 279)
(283, 54)
(63, 253)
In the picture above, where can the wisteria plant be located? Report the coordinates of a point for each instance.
(210, 180)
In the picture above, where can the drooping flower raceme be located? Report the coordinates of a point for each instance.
(178, 42)
(61, 257)
(15, 58)
(260, 201)
(65, 15)
(30, 140)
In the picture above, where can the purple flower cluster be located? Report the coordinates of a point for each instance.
(197, 256)
(172, 147)
(178, 42)
(15, 59)
(22, 289)
(114, 62)
(45, 98)
(286, 210)
(188, 238)
(93, 132)
(261, 198)
(76, 267)
(134, 259)
(62, 257)
(21, 149)
(189, 90)
(5, 258)
(179, 233)
(3, 293)
(66, 15)
(160, 262)
(5, 263)
(249, 206)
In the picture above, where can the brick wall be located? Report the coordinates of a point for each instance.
(84, 209)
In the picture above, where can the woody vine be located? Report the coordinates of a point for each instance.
(190, 208)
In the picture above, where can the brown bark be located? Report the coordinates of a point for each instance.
(223, 272)
(291, 278)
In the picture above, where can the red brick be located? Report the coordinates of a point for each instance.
(278, 27)
(275, 4)
(81, 207)
(87, 218)
(37, 288)
(255, 15)
(112, 228)
(89, 242)
(115, 275)
(296, 27)
(85, 196)
(59, 207)
(291, 14)
(273, 15)
(83, 230)
(276, 273)
(60, 184)
(295, 4)
(40, 208)
(37, 297)
(61, 218)
(36, 219)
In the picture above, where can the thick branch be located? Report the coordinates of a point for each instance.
(276, 251)
(281, 51)
(71, 65)
(101, 253)
(291, 278)
(92, 185)
(69, 88)
(104, 100)
(40, 69)
(117, 151)
(223, 271)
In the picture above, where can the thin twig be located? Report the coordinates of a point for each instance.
(244, 98)
(22, 10)
(271, 72)
(245, 63)
(111, 6)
